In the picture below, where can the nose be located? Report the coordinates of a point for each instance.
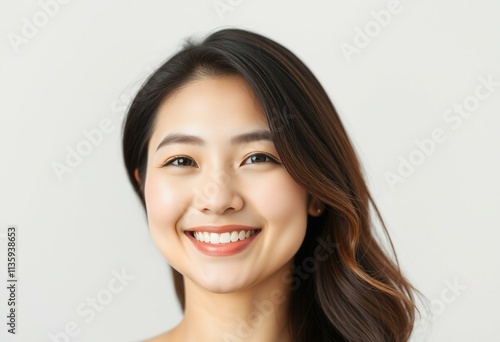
(217, 194)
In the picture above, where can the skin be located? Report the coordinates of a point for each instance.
(245, 295)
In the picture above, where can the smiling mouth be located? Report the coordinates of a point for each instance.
(224, 238)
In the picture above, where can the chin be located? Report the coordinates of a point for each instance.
(222, 285)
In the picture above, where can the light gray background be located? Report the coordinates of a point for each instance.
(85, 64)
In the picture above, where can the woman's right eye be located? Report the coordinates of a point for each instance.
(179, 161)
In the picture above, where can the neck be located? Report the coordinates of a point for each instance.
(257, 313)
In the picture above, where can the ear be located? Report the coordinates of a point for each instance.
(315, 207)
(137, 177)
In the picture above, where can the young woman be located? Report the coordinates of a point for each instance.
(256, 198)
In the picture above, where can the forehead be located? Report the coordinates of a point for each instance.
(221, 99)
(210, 105)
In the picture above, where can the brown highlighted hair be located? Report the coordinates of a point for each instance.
(359, 292)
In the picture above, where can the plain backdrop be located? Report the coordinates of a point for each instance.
(68, 69)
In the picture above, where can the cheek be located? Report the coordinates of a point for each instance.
(280, 198)
(160, 196)
(282, 203)
(164, 201)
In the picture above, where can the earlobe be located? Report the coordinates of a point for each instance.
(137, 178)
(315, 207)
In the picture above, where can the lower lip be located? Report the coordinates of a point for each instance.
(223, 249)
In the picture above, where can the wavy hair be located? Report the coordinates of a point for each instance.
(359, 292)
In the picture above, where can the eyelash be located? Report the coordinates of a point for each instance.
(169, 162)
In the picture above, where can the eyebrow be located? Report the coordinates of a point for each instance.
(245, 138)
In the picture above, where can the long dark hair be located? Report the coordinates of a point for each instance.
(359, 292)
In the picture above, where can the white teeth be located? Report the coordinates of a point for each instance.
(214, 238)
(223, 238)
(234, 236)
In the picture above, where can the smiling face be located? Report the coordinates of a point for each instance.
(226, 173)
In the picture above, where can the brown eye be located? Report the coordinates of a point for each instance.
(261, 158)
(180, 162)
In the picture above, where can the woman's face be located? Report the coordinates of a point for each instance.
(221, 208)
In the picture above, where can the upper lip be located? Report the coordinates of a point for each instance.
(220, 229)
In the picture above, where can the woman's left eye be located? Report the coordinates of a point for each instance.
(261, 157)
